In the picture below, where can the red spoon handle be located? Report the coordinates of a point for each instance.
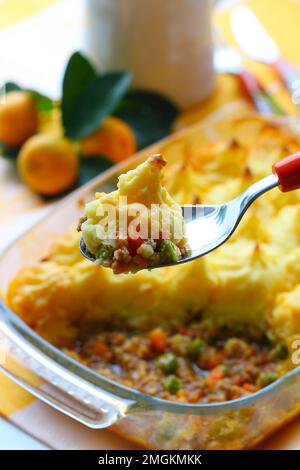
(288, 172)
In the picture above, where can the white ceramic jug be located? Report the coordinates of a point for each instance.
(165, 43)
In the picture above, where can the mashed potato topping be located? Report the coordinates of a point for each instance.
(252, 280)
(137, 226)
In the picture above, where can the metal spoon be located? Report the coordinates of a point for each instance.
(208, 227)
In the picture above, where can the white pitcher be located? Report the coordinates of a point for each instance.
(165, 43)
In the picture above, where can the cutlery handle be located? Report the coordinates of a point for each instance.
(263, 103)
(290, 75)
(288, 172)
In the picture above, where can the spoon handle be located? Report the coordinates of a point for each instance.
(288, 172)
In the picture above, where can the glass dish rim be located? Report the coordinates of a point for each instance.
(140, 399)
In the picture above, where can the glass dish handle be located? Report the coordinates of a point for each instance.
(64, 404)
(49, 382)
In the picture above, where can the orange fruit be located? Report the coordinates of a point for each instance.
(18, 118)
(48, 165)
(113, 138)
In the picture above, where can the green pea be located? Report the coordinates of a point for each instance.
(280, 351)
(195, 347)
(235, 346)
(168, 252)
(168, 363)
(105, 252)
(172, 384)
(266, 378)
(269, 338)
(224, 369)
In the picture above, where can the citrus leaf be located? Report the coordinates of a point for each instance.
(11, 86)
(97, 100)
(8, 152)
(150, 115)
(79, 72)
(91, 167)
(43, 102)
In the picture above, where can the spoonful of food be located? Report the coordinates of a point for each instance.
(204, 227)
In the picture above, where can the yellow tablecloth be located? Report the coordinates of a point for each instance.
(19, 208)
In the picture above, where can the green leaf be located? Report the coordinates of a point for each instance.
(8, 152)
(149, 115)
(91, 167)
(11, 86)
(97, 100)
(79, 72)
(43, 103)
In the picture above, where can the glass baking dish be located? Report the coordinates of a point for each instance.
(97, 401)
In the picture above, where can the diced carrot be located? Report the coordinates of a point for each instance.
(215, 375)
(249, 387)
(140, 261)
(209, 381)
(100, 348)
(182, 393)
(119, 267)
(214, 361)
(238, 380)
(134, 244)
(158, 339)
(183, 330)
(264, 358)
(235, 395)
